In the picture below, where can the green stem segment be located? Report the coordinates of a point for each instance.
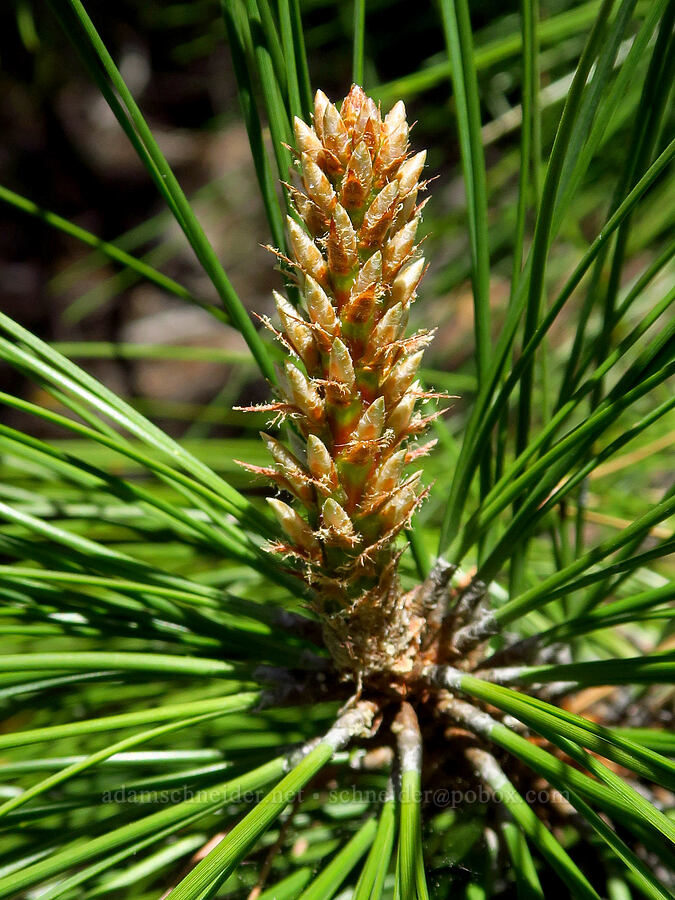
(410, 877)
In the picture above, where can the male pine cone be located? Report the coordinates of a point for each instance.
(350, 389)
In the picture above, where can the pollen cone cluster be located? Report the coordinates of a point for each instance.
(349, 387)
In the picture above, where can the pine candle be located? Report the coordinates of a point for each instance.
(350, 388)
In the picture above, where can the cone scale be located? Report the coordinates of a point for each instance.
(349, 387)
